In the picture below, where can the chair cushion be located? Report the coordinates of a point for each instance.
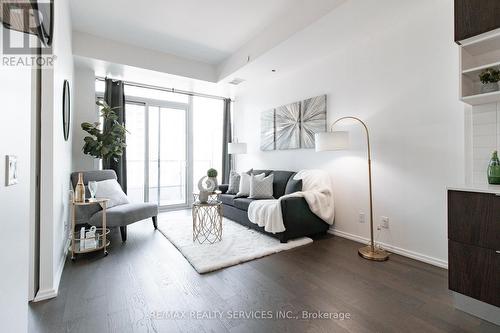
(227, 199)
(242, 203)
(125, 214)
(110, 189)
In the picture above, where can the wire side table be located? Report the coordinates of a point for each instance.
(207, 220)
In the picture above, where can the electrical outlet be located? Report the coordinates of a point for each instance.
(384, 222)
(362, 217)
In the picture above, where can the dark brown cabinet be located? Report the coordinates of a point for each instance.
(474, 17)
(474, 245)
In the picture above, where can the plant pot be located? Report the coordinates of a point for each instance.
(489, 87)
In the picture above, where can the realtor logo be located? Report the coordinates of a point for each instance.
(26, 33)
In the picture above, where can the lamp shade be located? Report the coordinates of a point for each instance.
(236, 148)
(331, 140)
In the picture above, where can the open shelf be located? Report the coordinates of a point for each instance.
(477, 54)
(479, 99)
(473, 73)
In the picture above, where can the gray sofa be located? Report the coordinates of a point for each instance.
(117, 216)
(298, 219)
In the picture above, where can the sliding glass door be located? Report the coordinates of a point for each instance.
(157, 155)
(167, 156)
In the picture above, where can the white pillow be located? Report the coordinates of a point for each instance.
(261, 188)
(110, 189)
(244, 190)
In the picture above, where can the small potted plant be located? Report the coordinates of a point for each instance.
(489, 78)
(212, 174)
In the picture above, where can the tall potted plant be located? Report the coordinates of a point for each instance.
(107, 144)
(489, 78)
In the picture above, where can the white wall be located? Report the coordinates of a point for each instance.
(398, 72)
(485, 139)
(56, 158)
(84, 110)
(15, 119)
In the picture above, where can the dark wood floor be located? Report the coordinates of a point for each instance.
(146, 277)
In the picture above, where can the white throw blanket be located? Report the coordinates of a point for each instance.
(316, 190)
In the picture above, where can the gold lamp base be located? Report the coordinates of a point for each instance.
(376, 254)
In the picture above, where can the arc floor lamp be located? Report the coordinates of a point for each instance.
(338, 140)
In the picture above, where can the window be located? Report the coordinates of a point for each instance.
(161, 146)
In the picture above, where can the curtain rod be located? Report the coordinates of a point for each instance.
(172, 90)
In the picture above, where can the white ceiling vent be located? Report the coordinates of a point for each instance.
(236, 81)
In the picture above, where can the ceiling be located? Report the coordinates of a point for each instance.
(201, 30)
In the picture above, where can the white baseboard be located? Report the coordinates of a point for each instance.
(45, 294)
(394, 249)
(42, 295)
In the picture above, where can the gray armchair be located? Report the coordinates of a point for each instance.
(117, 216)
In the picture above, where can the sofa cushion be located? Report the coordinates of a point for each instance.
(227, 199)
(125, 214)
(234, 182)
(242, 203)
(293, 185)
(280, 180)
(258, 172)
(261, 188)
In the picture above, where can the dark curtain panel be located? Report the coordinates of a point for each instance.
(226, 138)
(114, 95)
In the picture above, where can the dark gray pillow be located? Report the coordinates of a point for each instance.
(234, 182)
(293, 186)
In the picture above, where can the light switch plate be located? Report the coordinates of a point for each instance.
(10, 170)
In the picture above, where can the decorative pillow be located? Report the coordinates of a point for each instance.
(110, 189)
(244, 190)
(261, 188)
(234, 182)
(293, 185)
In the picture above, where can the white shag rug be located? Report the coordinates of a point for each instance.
(239, 244)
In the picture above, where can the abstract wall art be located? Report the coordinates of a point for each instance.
(267, 133)
(287, 129)
(312, 120)
(293, 126)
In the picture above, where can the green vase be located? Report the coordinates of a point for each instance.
(494, 169)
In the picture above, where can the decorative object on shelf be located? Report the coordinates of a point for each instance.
(293, 126)
(90, 241)
(10, 170)
(494, 169)
(206, 186)
(80, 189)
(489, 78)
(212, 174)
(338, 140)
(66, 111)
(107, 144)
(92, 189)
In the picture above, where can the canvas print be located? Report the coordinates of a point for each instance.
(267, 141)
(287, 125)
(313, 120)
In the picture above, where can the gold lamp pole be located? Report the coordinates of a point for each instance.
(339, 140)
